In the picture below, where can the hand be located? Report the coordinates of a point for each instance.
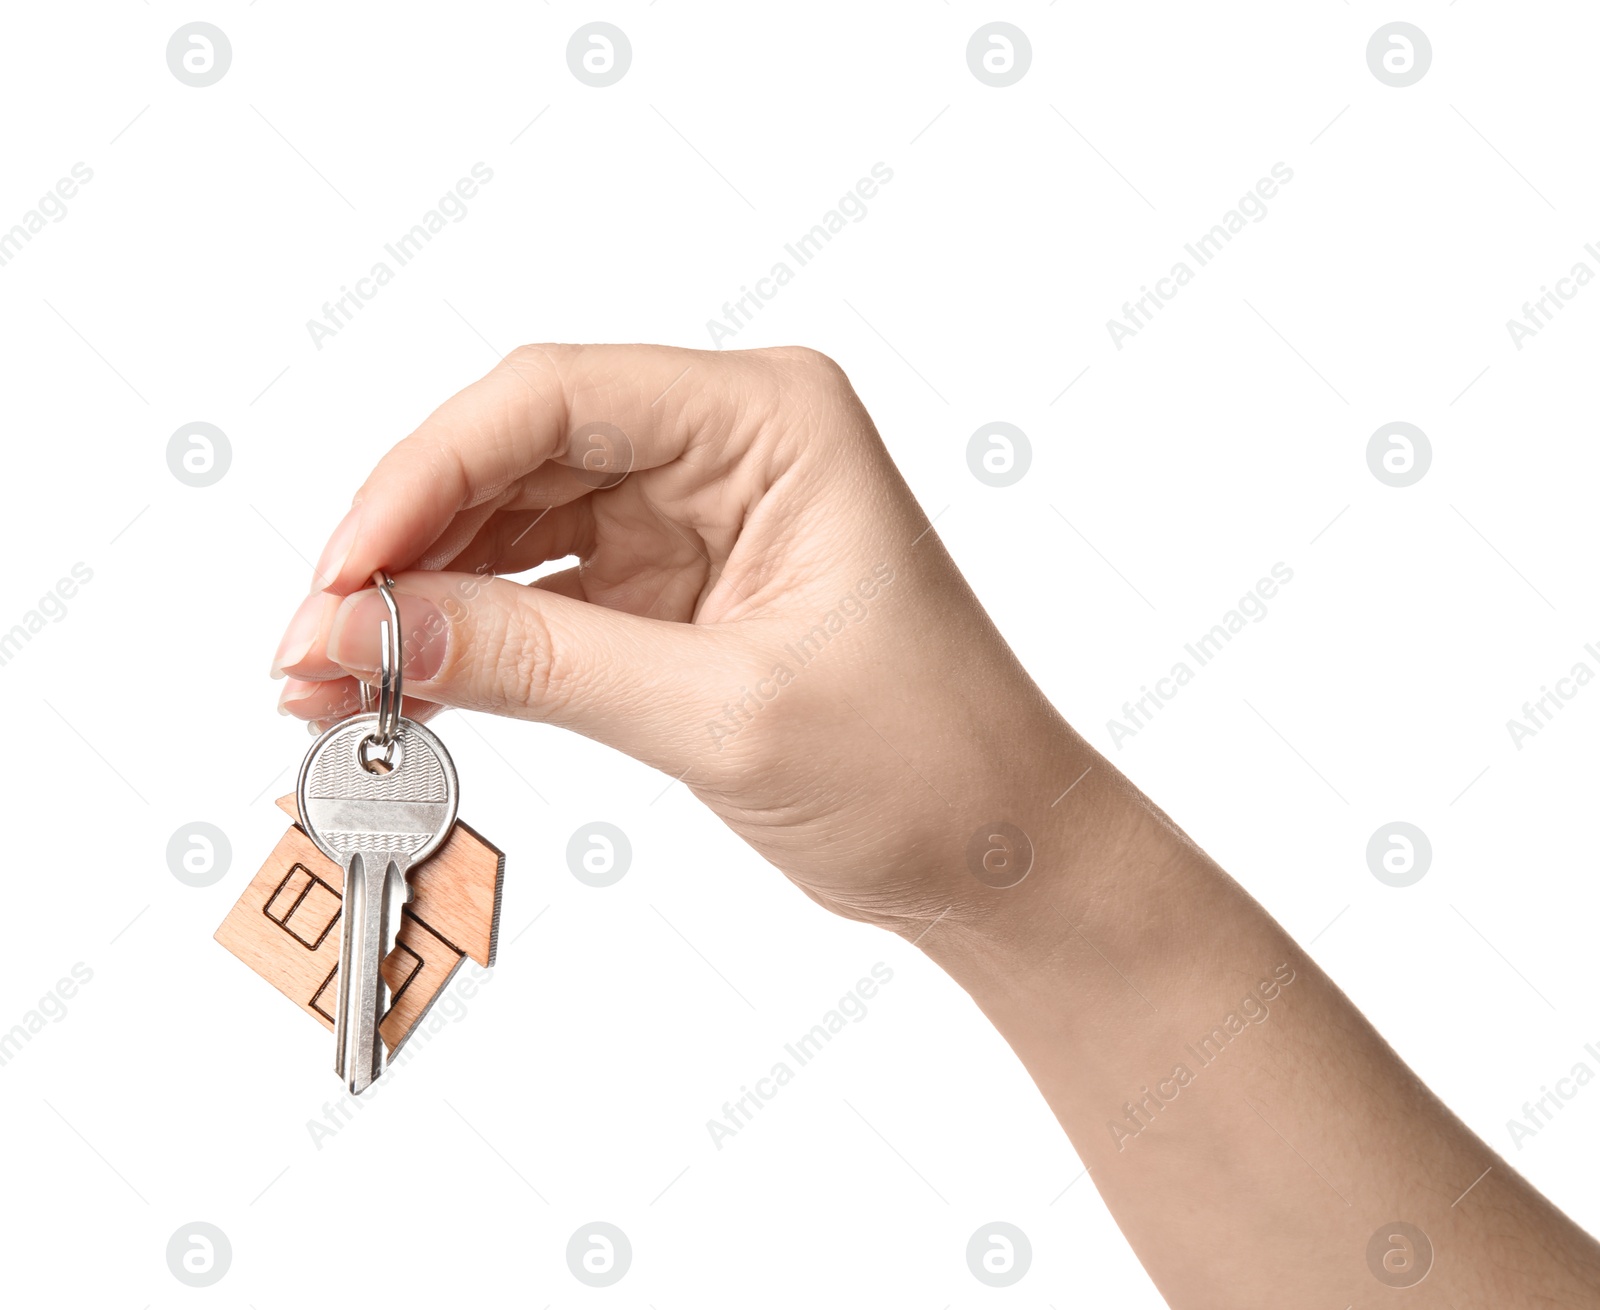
(760, 608)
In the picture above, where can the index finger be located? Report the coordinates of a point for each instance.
(607, 410)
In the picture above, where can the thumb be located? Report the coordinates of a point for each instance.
(483, 643)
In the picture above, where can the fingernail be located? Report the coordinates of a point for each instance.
(301, 632)
(337, 551)
(355, 640)
(293, 693)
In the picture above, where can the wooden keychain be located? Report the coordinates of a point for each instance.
(287, 926)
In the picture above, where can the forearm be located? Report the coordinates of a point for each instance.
(1248, 1128)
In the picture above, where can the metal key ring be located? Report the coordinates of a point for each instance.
(390, 685)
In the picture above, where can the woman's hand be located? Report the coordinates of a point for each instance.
(760, 608)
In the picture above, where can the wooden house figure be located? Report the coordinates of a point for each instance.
(286, 925)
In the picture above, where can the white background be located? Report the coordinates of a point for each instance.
(1227, 436)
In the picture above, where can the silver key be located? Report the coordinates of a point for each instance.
(377, 826)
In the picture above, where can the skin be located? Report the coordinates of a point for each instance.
(735, 501)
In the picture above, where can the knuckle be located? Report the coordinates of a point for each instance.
(507, 662)
(543, 357)
(803, 364)
(804, 392)
(528, 671)
(540, 370)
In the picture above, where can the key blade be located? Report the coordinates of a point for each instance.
(374, 890)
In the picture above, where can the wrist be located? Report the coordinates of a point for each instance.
(1123, 928)
(1085, 855)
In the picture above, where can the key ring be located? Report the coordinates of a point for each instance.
(389, 691)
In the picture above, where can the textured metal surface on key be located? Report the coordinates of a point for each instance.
(345, 807)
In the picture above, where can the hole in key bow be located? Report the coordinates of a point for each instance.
(387, 762)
